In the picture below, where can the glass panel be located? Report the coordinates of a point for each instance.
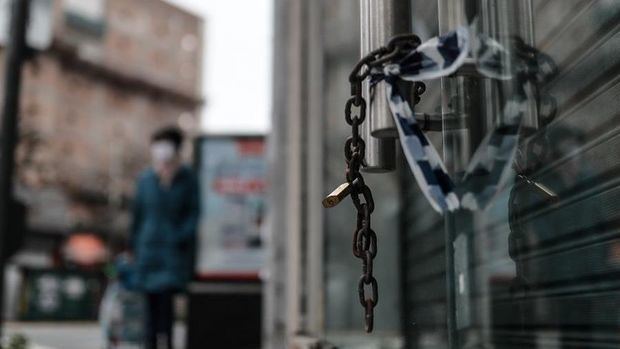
(344, 316)
(423, 243)
(537, 268)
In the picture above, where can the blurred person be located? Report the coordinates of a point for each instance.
(165, 218)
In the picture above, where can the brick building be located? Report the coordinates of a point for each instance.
(115, 71)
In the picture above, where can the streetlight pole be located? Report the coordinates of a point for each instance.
(15, 53)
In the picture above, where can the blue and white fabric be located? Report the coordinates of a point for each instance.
(491, 163)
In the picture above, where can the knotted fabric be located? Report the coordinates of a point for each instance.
(490, 166)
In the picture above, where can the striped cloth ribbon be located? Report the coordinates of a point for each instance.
(490, 166)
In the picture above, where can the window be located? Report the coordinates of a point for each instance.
(539, 267)
(86, 16)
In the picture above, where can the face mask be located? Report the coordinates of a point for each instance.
(163, 152)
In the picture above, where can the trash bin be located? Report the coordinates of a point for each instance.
(60, 295)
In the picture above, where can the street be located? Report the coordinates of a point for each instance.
(78, 335)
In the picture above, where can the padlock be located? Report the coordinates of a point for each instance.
(336, 196)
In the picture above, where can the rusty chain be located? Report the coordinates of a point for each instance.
(364, 238)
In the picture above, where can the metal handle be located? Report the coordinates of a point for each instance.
(380, 20)
(384, 20)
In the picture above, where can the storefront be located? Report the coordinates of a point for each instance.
(536, 268)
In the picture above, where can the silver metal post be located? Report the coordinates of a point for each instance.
(379, 21)
(386, 18)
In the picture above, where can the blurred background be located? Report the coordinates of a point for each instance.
(259, 88)
(98, 77)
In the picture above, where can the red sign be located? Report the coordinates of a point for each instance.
(238, 186)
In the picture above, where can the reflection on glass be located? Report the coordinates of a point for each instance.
(537, 269)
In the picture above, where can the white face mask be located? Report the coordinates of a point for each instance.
(162, 152)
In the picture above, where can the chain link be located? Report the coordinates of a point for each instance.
(364, 238)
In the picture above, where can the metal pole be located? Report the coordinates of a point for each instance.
(15, 56)
(380, 152)
(386, 19)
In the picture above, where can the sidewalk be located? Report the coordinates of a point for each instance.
(79, 335)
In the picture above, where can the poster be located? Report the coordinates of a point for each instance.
(232, 174)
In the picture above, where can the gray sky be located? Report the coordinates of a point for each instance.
(237, 64)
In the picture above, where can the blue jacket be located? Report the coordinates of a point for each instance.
(164, 229)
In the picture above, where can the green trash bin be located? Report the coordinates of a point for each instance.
(60, 295)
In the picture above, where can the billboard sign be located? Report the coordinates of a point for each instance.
(232, 172)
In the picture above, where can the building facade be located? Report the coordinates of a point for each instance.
(115, 71)
(535, 269)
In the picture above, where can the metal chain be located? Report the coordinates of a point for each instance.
(364, 238)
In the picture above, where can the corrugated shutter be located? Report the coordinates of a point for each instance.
(568, 255)
(424, 271)
(549, 276)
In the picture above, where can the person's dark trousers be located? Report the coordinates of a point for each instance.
(159, 319)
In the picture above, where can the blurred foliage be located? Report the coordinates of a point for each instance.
(18, 341)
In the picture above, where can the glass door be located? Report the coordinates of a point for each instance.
(539, 267)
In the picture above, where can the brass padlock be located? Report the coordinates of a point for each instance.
(336, 196)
